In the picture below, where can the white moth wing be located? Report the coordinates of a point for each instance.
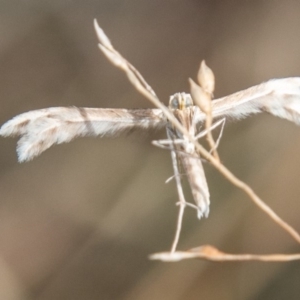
(40, 129)
(279, 97)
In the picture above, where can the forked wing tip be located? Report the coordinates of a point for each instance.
(5, 129)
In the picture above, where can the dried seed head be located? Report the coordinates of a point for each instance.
(206, 78)
(200, 97)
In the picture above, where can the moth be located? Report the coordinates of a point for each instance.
(40, 129)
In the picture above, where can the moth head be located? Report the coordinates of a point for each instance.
(180, 101)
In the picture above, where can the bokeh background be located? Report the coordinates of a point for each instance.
(79, 221)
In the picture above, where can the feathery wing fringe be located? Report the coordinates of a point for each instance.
(40, 129)
(279, 97)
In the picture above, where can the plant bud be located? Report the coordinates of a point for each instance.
(206, 78)
(200, 97)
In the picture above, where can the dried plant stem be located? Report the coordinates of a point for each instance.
(141, 85)
(211, 253)
(209, 136)
(215, 160)
(182, 206)
(247, 189)
(223, 170)
(182, 201)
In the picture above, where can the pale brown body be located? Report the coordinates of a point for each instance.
(183, 109)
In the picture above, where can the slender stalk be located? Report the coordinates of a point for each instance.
(145, 89)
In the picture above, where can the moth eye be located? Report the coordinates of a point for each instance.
(188, 101)
(174, 102)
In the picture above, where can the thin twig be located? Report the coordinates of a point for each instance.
(211, 253)
(209, 136)
(248, 190)
(139, 83)
(182, 201)
(220, 134)
(202, 98)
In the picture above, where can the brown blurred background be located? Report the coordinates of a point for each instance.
(80, 221)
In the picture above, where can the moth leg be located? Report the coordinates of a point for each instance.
(173, 177)
(213, 126)
(167, 144)
(222, 122)
(190, 205)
